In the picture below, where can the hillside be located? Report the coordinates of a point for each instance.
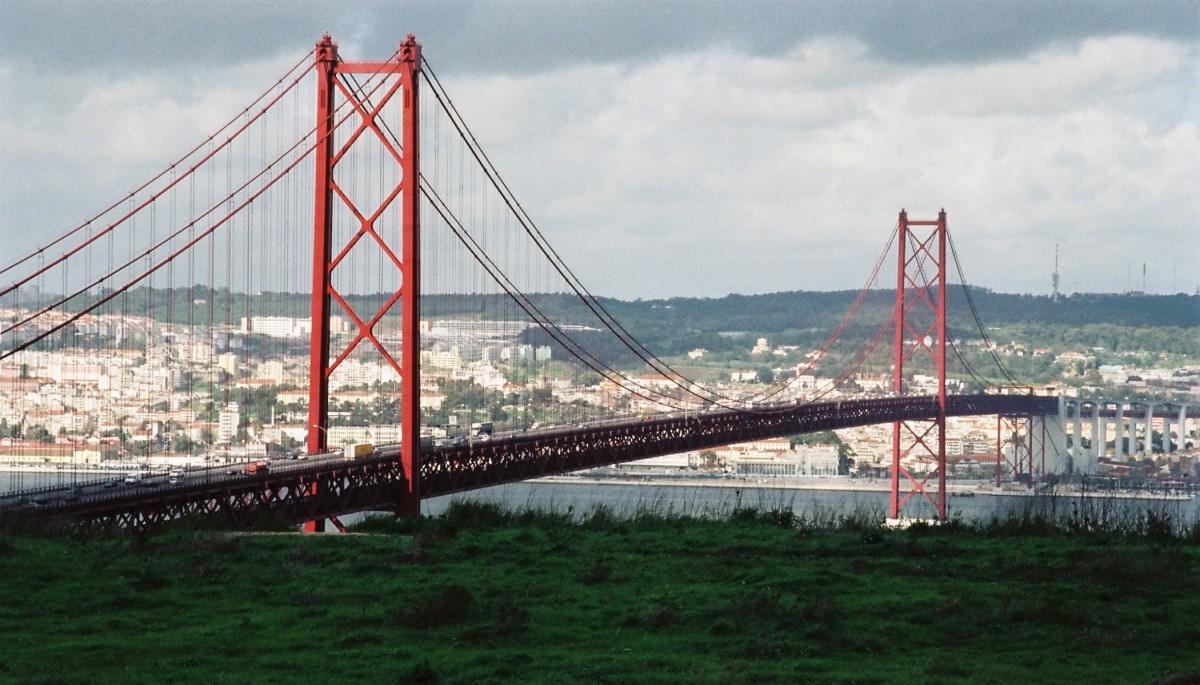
(777, 312)
(1113, 324)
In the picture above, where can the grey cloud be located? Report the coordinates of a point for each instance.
(521, 37)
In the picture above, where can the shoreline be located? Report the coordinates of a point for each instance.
(765, 484)
(850, 485)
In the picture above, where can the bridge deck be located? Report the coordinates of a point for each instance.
(330, 485)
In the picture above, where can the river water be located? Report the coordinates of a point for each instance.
(817, 501)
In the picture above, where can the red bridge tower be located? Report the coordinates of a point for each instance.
(920, 317)
(348, 114)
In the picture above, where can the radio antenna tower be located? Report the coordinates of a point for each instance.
(1054, 276)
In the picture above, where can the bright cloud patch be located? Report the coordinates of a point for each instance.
(785, 173)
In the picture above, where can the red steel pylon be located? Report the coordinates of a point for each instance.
(920, 318)
(393, 84)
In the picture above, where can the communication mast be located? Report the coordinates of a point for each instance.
(1054, 277)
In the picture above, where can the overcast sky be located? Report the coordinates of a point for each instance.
(686, 148)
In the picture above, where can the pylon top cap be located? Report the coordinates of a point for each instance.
(326, 49)
(410, 49)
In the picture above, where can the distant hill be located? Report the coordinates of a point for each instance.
(1115, 323)
(778, 312)
(673, 326)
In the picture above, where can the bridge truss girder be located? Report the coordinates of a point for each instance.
(485, 464)
(316, 493)
(379, 483)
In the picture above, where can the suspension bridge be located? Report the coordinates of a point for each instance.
(340, 274)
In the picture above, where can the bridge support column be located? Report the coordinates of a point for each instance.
(1148, 432)
(1085, 460)
(1119, 442)
(919, 447)
(1166, 430)
(1087, 457)
(1065, 419)
(1180, 443)
(1079, 457)
(368, 118)
(1134, 445)
(1056, 457)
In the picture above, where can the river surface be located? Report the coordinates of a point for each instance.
(812, 500)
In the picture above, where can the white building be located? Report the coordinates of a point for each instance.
(766, 464)
(228, 362)
(443, 358)
(289, 327)
(271, 370)
(817, 460)
(275, 432)
(227, 422)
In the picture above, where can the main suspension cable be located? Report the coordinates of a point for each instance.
(988, 345)
(176, 179)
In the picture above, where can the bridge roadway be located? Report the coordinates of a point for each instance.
(328, 485)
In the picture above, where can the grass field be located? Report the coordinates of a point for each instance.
(480, 595)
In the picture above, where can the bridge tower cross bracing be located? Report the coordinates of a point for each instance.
(1023, 442)
(1016, 454)
(363, 110)
(920, 320)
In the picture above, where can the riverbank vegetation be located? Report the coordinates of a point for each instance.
(484, 595)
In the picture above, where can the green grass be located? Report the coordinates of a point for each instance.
(481, 595)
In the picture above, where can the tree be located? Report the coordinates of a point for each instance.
(845, 461)
(497, 412)
(181, 443)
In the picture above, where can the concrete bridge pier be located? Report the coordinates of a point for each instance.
(1131, 424)
(1077, 433)
(1148, 431)
(1071, 416)
(1119, 443)
(1182, 426)
(1165, 419)
(1051, 430)
(1180, 422)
